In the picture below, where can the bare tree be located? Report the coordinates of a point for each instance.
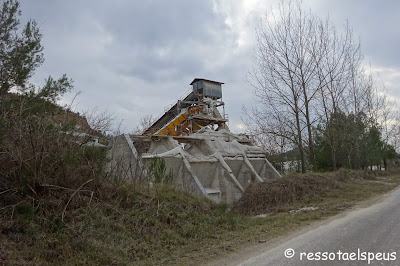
(144, 123)
(99, 121)
(304, 72)
(341, 58)
(289, 48)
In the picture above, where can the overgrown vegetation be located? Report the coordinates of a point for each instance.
(141, 225)
(280, 194)
(40, 142)
(114, 226)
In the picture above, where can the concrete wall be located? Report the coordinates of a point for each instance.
(218, 165)
(215, 165)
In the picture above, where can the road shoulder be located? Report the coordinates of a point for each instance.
(249, 251)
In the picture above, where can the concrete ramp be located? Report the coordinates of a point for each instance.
(216, 164)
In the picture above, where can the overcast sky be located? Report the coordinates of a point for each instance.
(133, 58)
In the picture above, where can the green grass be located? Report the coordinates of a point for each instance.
(159, 225)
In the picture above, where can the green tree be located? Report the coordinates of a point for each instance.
(53, 89)
(373, 148)
(334, 141)
(389, 153)
(351, 141)
(20, 47)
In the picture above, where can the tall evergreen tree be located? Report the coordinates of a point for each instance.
(20, 47)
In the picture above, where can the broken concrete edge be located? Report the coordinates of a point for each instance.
(135, 154)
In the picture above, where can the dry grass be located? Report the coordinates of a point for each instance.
(279, 195)
(130, 225)
(138, 225)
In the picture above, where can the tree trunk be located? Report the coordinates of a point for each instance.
(310, 139)
(300, 144)
(333, 155)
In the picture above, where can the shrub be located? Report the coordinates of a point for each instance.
(40, 152)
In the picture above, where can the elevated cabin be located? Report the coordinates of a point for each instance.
(207, 88)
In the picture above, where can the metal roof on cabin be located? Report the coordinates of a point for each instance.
(197, 79)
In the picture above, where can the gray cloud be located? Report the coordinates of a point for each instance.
(376, 22)
(135, 57)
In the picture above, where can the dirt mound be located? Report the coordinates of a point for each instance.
(274, 195)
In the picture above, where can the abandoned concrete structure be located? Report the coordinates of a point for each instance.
(194, 140)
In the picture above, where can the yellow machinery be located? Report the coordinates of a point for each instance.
(170, 129)
(194, 112)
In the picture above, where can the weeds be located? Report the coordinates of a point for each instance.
(157, 172)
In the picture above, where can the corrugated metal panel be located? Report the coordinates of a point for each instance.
(210, 88)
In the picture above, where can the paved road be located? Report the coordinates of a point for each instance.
(373, 229)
